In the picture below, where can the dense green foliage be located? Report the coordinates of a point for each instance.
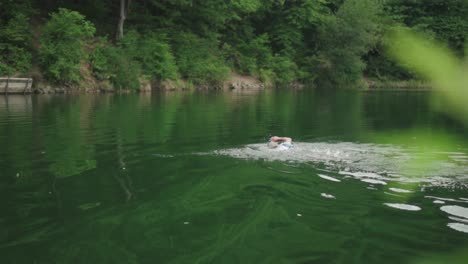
(446, 21)
(343, 47)
(133, 57)
(15, 38)
(199, 59)
(321, 41)
(63, 45)
(113, 64)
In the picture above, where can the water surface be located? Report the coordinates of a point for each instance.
(374, 177)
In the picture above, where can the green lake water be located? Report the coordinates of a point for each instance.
(374, 177)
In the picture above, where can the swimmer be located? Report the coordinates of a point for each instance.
(281, 143)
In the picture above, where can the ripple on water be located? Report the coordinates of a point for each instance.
(459, 219)
(372, 181)
(458, 227)
(445, 199)
(328, 178)
(455, 210)
(328, 196)
(406, 207)
(458, 213)
(360, 174)
(398, 190)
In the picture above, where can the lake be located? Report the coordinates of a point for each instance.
(186, 177)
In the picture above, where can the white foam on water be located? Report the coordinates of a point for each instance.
(372, 181)
(445, 199)
(360, 174)
(438, 202)
(328, 196)
(406, 207)
(458, 219)
(301, 152)
(458, 227)
(369, 161)
(398, 190)
(328, 178)
(455, 210)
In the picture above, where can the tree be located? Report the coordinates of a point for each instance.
(15, 37)
(62, 45)
(14, 41)
(124, 8)
(345, 39)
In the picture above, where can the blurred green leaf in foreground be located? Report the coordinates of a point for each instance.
(437, 64)
(449, 77)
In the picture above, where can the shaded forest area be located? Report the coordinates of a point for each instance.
(322, 42)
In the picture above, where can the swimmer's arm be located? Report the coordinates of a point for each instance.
(281, 139)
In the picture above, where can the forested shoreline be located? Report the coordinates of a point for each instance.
(129, 44)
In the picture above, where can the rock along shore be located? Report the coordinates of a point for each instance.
(234, 82)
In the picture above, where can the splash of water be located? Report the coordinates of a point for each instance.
(372, 163)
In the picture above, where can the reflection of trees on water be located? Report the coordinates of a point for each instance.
(29, 204)
(69, 131)
(30, 207)
(18, 105)
(121, 176)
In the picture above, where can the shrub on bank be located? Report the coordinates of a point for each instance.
(250, 56)
(285, 70)
(153, 53)
(100, 58)
(200, 60)
(125, 71)
(344, 39)
(63, 46)
(133, 57)
(113, 64)
(15, 56)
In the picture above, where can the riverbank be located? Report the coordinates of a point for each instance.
(233, 82)
(398, 85)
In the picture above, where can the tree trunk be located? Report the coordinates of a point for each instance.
(124, 7)
(121, 20)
